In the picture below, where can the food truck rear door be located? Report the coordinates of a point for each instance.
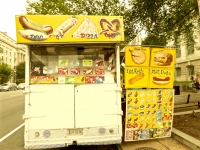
(96, 105)
(52, 106)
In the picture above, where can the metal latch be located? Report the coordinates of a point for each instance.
(32, 91)
(32, 116)
(114, 113)
(117, 90)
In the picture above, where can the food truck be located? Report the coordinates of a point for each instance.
(72, 92)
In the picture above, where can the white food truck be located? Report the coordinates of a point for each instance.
(72, 92)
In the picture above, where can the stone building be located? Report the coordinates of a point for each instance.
(11, 53)
(187, 64)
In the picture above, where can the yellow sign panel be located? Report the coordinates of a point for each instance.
(137, 56)
(161, 78)
(65, 28)
(136, 77)
(163, 57)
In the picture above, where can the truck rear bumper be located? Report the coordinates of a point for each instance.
(53, 138)
(55, 143)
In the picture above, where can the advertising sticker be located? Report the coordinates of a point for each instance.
(148, 114)
(62, 71)
(137, 56)
(63, 62)
(87, 71)
(79, 79)
(99, 63)
(163, 57)
(47, 70)
(61, 80)
(99, 71)
(136, 77)
(94, 79)
(70, 79)
(40, 79)
(87, 62)
(75, 71)
(161, 78)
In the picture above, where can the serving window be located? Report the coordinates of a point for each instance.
(71, 65)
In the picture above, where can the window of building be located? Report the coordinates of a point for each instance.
(190, 48)
(190, 70)
(178, 51)
(189, 41)
(178, 72)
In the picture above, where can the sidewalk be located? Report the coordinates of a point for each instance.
(158, 144)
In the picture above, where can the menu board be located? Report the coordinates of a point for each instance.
(163, 57)
(161, 78)
(148, 114)
(137, 56)
(136, 77)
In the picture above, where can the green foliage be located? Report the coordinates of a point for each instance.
(163, 20)
(20, 81)
(154, 41)
(5, 73)
(20, 71)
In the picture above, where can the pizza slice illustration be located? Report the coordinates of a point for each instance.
(87, 29)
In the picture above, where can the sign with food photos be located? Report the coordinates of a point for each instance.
(163, 57)
(136, 77)
(149, 114)
(137, 56)
(161, 78)
(68, 28)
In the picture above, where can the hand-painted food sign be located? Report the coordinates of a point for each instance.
(64, 28)
(110, 29)
(34, 31)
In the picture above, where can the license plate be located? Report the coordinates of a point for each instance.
(74, 132)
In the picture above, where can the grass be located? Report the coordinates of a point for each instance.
(182, 83)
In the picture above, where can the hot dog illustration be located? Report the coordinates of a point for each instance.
(136, 78)
(161, 81)
(65, 27)
(33, 35)
(29, 24)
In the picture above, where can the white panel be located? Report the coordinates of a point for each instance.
(95, 105)
(51, 106)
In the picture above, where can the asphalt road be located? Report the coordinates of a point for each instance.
(11, 112)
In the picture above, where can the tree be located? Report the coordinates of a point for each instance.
(160, 18)
(164, 18)
(154, 40)
(20, 71)
(5, 73)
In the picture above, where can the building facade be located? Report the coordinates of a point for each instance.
(187, 60)
(11, 53)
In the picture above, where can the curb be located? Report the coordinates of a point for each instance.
(183, 138)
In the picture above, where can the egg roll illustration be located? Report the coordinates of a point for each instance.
(136, 78)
